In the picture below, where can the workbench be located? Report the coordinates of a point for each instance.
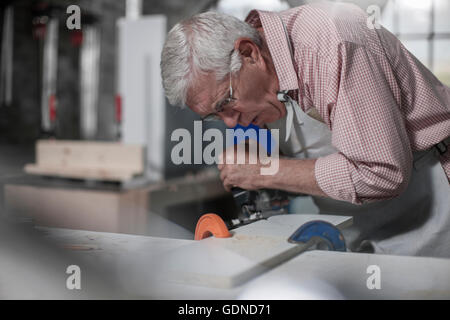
(120, 208)
(308, 275)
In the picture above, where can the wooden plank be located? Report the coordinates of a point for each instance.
(106, 174)
(87, 159)
(251, 251)
(90, 154)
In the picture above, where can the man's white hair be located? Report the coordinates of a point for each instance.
(201, 44)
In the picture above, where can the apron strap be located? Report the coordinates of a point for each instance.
(291, 108)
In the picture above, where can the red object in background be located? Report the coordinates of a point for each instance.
(76, 37)
(118, 108)
(52, 107)
(39, 31)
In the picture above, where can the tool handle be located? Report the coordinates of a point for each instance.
(241, 196)
(236, 191)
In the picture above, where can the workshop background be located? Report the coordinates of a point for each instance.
(101, 84)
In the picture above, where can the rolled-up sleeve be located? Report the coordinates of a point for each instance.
(360, 105)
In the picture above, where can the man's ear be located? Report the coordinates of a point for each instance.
(249, 51)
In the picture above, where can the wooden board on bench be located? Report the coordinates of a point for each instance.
(252, 250)
(108, 161)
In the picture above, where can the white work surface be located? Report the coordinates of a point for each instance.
(263, 265)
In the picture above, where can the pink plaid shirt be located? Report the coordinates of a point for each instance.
(380, 103)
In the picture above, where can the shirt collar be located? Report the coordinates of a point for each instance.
(278, 46)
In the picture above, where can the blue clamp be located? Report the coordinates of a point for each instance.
(319, 233)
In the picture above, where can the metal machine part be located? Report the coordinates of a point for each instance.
(260, 204)
(49, 76)
(45, 30)
(89, 81)
(6, 67)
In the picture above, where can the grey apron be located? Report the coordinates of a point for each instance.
(415, 223)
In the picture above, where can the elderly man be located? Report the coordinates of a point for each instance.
(363, 124)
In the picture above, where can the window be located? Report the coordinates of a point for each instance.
(423, 27)
(240, 8)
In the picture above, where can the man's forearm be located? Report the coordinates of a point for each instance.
(295, 175)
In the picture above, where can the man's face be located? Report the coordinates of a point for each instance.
(254, 96)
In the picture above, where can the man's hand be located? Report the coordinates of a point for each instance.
(240, 168)
(294, 175)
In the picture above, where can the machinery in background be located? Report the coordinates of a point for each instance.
(89, 66)
(88, 172)
(46, 27)
(140, 101)
(46, 32)
(6, 63)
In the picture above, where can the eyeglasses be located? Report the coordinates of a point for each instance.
(221, 106)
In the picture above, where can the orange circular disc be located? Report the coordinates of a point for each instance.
(211, 224)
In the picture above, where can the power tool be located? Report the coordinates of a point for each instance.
(259, 204)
